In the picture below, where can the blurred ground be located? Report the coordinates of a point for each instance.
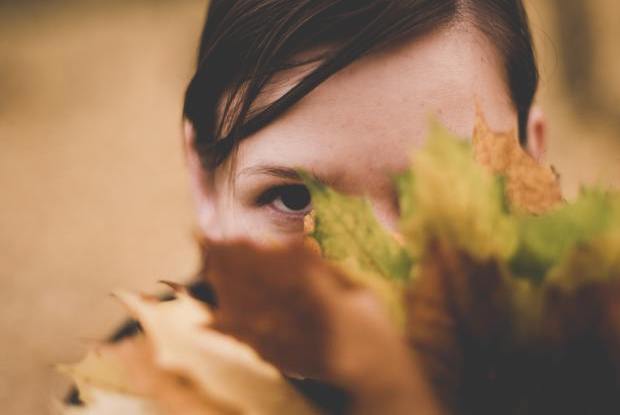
(91, 171)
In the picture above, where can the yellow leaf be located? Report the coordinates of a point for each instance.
(180, 366)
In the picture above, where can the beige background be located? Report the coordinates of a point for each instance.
(91, 172)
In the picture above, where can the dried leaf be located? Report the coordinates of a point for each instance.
(224, 368)
(126, 374)
(459, 324)
(180, 365)
(530, 186)
(105, 402)
(308, 318)
(466, 327)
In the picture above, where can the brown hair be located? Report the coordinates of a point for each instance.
(246, 42)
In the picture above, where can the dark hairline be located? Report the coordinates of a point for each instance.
(454, 12)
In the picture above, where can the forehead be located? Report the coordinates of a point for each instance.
(369, 116)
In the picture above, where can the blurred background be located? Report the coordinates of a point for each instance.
(94, 195)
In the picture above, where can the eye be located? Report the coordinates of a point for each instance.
(291, 199)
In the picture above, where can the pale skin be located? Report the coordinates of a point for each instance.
(354, 132)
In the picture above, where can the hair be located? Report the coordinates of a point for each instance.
(246, 42)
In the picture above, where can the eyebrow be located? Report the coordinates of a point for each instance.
(280, 172)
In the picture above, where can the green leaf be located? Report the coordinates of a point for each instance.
(345, 227)
(455, 199)
(547, 240)
(405, 183)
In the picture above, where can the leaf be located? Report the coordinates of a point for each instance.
(447, 195)
(389, 293)
(530, 186)
(489, 341)
(100, 367)
(345, 226)
(459, 325)
(280, 300)
(224, 368)
(105, 402)
(125, 377)
(310, 319)
(493, 344)
(405, 186)
(180, 365)
(545, 241)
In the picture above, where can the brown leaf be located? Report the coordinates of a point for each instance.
(530, 186)
(490, 343)
(308, 318)
(254, 288)
(458, 322)
(581, 339)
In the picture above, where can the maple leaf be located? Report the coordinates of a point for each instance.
(181, 365)
(530, 186)
(459, 324)
(546, 240)
(489, 340)
(447, 194)
(310, 319)
(346, 227)
(124, 378)
(490, 343)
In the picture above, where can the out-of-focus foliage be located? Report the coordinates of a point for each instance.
(507, 303)
(180, 366)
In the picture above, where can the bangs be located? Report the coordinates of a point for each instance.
(246, 43)
(249, 46)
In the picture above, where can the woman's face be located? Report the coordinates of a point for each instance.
(354, 132)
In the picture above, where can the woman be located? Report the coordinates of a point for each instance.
(343, 89)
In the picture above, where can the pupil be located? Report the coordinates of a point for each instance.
(296, 197)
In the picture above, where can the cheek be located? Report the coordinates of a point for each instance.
(257, 225)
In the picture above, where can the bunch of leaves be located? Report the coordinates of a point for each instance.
(511, 299)
(494, 296)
